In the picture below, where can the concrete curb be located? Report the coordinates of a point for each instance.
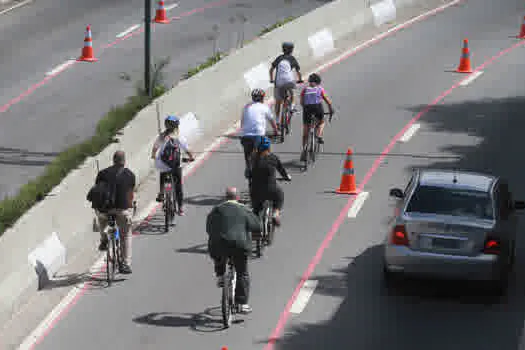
(49, 235)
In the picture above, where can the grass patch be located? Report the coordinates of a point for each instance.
(210, 61)
(12, 208)
(266, 30)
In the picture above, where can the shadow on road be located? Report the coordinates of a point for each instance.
(430, 315)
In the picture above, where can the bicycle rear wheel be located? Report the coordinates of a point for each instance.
(227, 299)
(108, 265)
(112, 260)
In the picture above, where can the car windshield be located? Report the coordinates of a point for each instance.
(447, 201)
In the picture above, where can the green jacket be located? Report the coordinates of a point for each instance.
(231, 223)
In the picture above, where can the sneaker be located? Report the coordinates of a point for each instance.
(320, 140)
(244, 308)
(160, 197)
(220, 281)
(181, 211)
(125, 269)
(103, 246)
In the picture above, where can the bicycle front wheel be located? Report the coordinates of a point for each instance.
(169, 210)
(226, 303)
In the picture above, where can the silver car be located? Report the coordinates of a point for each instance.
(453, 225)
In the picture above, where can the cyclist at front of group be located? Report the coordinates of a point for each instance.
(312, 97)
(168, 158)
(253, 125)
(264, 182)
(284, 80)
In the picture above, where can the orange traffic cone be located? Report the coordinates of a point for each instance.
(87, 50)
(160, 16)
(224, 348)
(521, 35)
(348, 178)
(464, 62)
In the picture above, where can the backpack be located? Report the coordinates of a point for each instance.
(103, 195)
(170, 153)
(284, 71)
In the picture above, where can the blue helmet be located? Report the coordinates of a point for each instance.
(264, 145)
(171, 121)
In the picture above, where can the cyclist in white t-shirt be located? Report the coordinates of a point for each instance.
(284, 79)
(253, 126)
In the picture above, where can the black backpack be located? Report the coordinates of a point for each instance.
(103, 195)
(171, 153)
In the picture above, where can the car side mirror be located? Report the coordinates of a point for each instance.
(519, 205)
(396, 193)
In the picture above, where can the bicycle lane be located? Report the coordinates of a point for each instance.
(169, 267)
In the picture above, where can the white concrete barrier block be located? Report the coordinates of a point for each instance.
(258, 76)
(321, 43)
(384, 11)
(190, 128)
(51, 255)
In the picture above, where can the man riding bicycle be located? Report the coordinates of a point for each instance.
(312, 98)
(253, 125)
(167, 155)
(229, 226)
(264, 182)
(284, 78)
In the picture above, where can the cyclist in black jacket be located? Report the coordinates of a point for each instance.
(264, 182)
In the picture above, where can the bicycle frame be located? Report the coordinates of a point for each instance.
(267, 223)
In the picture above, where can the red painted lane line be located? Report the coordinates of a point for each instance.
(342, 215)
(32, 88)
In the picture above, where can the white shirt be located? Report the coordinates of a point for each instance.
(254, 119)
(159, 144)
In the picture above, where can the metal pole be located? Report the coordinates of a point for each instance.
(147, 48)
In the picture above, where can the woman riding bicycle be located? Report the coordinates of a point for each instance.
(264, 182)
(312, 98)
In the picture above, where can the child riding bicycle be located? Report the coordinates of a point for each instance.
(312, 97)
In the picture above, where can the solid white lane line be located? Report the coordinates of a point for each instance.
(127, 31)
(410, 133)
(304, 295)
(60, 67)
(471, 78)
(358, 204)
(171, 7)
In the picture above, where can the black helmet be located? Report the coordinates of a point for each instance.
(258, 95)
(288, 47)
(314, 78)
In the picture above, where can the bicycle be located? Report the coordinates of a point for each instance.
(312, 146)
(113, 253)
(286, 113)
(169, 204)
(228, 306)
(268, 227)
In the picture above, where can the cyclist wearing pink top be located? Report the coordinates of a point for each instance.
(312, 98)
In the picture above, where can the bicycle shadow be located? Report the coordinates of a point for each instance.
(207, 321)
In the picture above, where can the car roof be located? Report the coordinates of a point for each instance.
(465, 180)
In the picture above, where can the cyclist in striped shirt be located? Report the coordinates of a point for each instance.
(312, 97)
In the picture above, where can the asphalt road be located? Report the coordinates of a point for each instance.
(64, 109)
(171, 301)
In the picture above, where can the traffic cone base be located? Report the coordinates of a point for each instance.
(347, 185)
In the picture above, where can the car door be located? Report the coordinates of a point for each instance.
(506, 217)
